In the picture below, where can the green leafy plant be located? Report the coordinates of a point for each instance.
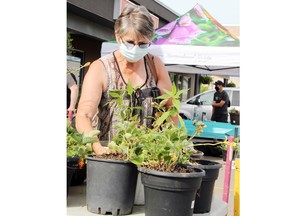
(233, 110)
(235, 144)
(203, 88)
(69, 71)
(206, 79)
(162, 147)
(78, 144)
(70, 47)
(128, 128)
(231, 84)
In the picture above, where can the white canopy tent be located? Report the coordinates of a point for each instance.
(192, 59)
(194, 44)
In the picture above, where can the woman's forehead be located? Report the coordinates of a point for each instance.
(133, 36)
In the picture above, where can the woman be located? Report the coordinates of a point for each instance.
(133, 31)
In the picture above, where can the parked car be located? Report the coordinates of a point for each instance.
(202, 103)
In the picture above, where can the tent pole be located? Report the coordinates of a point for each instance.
(225, 82)
(189, 87)
(197, 84)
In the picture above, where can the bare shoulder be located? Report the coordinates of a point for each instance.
(97, 66)
(97, 69)
(96, 73)
(158, 61)
(162, 73)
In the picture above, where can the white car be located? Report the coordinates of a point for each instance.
(194, 107)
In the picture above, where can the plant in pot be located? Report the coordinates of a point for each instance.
(204, 196)
(77, 148)
(236, 148)
(203, 200)
(234, 116)
(112, 178)
(206, 79)
(162, 155)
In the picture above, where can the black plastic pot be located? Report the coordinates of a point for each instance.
(203, 149)
(215, 151)
(235, 118)
(169, 194)
(72, 163)
(69, 175)
(111, 186)
(197, 156)
(224, 153)
(204, 196)
(79, 176)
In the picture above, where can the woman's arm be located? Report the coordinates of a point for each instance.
(93, 85)
(73, 97)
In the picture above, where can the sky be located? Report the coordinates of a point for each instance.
(227, 12)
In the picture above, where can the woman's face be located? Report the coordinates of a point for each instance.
(130, 40)
(133, 48)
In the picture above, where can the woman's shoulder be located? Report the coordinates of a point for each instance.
(109, 57)
(100, 62)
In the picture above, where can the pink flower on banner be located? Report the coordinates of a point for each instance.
(185, 32)
(161, 41)
(166, 29)
(185, 21)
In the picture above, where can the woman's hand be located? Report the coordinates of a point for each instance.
(99, 149)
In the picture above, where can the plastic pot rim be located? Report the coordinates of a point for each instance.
(199, 173)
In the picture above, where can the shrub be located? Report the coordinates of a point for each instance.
(205, 79)
(231, 84)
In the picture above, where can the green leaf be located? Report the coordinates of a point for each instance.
(88, 140)
(168, 92)
(164, 96)
(176, 103)
(138, 150)
(92, 133)
(164, 116)
(86, 64)
(129, 88)
(124, 149)
(181, 92)
(134, 118)
(77, 137)
(111, 144)
(137, 161)
(114, 94)
(174, 89)
(182, 123)
(167, 158)
(173, 111)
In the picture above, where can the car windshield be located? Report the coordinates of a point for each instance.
(207, 98)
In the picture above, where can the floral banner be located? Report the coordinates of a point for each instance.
(197, 27)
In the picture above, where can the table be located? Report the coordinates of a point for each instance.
(213, 130)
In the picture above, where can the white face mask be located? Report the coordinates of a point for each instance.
(134, 54)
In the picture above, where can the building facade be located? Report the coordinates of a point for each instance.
(91, 22)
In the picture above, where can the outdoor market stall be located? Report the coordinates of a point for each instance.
(214, 130)
(194, 43)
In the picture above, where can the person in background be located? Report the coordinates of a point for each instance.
(220, 103)
(72, 95)
(134, 30)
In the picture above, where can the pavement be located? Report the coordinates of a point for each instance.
(76, 199)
